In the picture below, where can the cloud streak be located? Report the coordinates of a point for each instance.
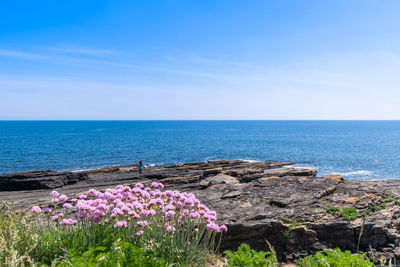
(83, 50)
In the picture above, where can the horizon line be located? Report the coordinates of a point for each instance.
(110, 120)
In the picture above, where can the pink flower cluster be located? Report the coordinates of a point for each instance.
(139, 206)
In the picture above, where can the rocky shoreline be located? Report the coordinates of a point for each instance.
(298, 212)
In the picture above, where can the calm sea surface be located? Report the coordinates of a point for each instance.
(355, 149)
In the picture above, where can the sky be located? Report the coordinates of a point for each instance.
(195, 60)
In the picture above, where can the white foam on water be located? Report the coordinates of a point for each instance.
(150, 165)
(250, 160)
(301, 167)
(360, 172)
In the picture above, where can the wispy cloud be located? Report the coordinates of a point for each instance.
(114, 62)
(83, 50)
(21, 55)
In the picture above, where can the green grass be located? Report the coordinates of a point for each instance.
(18, 237)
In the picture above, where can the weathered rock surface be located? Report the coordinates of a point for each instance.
(32, 180)
(296, 211)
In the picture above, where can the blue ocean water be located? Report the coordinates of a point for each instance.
(356, 149)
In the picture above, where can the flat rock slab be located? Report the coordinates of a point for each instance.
(33, 180)
(296, 211)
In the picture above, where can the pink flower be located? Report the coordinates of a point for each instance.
(54, 194)
(93, 193)
(139, 185)
(171, 228)
(117, 211)
(189, 202)
(223, 228)
(68, 222)
(145, 195)
(168, 193)
(194, 215)
(179, 205)
(67, 206)
(47, 210)
(134, 215)
(141, 232)
(120, 224)
(213, 227)
(63, 198)
(169, 214)
(54, 218)
(151, 213)
(96, 220)
(82, 197)
(169, 207)
(36, 209)
(142, 223)
(211, 215)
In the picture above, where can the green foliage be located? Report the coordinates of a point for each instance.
(349, 214)
(335, 258)
(25, 241)
(56, 242)
(293, 223)
(332, 210)
(247, 257)
(388, 199)
(375, 207)
(286, 220)
(120, 253)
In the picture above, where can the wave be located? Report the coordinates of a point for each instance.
(301, 167)
(360, 172)
(250, 160)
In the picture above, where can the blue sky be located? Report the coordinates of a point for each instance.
(276, 59)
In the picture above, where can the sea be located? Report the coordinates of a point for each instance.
(363, 150)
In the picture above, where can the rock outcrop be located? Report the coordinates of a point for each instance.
(296, 211)
(33, 180)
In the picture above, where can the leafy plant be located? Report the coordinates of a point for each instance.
(349, 214)
(335, 258)
(332, 210)
(247, 257)
(286, 220)
(120, 253)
